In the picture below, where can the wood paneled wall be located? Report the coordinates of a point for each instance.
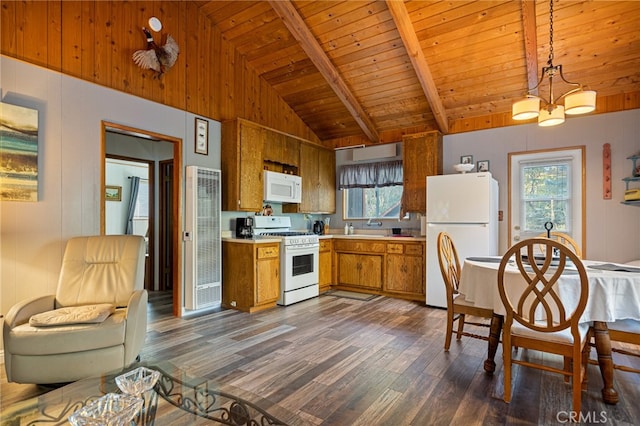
(94, 41)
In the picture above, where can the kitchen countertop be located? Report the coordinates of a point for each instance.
(373, 237)
(328, 236)
(252, 240)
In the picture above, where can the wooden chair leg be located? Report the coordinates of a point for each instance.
(506, 360)
(447, 339)
(567, 367)
(460, 326)
(576, 384)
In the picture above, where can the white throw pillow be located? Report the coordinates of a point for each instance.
(87, 314)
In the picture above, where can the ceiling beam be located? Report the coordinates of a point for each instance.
(419, 62)
(530, 34)
(312, 48)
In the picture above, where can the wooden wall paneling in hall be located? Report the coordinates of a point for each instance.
(94, 41)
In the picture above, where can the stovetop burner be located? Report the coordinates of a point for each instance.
(285, 234)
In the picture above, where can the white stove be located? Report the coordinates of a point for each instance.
(299, 256)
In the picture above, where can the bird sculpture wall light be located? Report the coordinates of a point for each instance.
(156, 58)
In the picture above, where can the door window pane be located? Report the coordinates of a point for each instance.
(545, 196)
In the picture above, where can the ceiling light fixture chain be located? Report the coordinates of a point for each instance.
(550, 61)
(551, 112)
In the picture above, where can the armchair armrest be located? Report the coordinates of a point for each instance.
(23, 310)
(136, 327)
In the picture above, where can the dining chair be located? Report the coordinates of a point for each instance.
(457, 306)
(624, 331)
(564, 239)
(538, 316)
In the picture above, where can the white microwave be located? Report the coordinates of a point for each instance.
(282, 188)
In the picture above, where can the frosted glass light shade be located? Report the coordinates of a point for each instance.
(553, 118)
(525, 109)
(580, 102)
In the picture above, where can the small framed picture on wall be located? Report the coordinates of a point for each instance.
(466, 159)
(202, 136)
(483, 166)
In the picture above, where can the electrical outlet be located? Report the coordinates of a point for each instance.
(233, 303)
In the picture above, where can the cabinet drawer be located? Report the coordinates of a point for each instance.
(360, 246)
(413, 249)
(325, 245)
(395, 248)
(269, 251)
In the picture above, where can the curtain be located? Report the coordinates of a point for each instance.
(371, 175)
(135, 185)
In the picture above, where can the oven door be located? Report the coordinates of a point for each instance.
(301, 263)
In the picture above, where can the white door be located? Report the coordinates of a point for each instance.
(546, 186)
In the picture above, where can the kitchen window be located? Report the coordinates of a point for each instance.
(376, 203)
(371, 190)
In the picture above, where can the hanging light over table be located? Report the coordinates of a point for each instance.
(549, 111)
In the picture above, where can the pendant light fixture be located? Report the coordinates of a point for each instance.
(549, 111)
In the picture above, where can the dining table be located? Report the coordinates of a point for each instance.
(614, 294)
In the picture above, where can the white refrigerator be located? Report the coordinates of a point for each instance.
(466, 207)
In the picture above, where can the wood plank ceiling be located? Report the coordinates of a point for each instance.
(372, 70)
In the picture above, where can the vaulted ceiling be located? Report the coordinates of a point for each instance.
(369, 69)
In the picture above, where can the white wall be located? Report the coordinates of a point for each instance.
(613, 229)
(33, 235)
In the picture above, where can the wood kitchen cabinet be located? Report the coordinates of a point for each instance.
(250, 275)
(249, 148)
(242, 165)
(405, 269)
(421, 157)
(281, 148)
(360, 264)
(325, 261)
(318, 173)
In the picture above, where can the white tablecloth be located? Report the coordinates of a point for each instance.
(613, 295)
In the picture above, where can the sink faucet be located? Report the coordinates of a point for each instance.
(378, 223)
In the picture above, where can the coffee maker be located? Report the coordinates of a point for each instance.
(244, 227)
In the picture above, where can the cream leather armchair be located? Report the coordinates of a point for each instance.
(95, 270)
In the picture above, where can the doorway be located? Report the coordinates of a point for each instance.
(164, 153)
(134, 211)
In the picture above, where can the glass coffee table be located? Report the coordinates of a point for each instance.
(176, 399)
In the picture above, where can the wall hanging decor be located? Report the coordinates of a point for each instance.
(18, 153)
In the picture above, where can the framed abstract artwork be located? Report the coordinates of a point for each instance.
(18, 153)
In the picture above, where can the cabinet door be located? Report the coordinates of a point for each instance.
(325, 262)
(405, 274)
(348, 269)
(273, 146)
(326, 181)
(291, 151)
(395, 273)
(415, 275)
(371, 271)
(267, 280)
(250, 182)
(309, 174)
(421, 157)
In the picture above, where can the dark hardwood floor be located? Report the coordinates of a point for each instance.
(338, 361)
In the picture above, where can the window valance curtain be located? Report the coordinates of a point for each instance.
(371, 175)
